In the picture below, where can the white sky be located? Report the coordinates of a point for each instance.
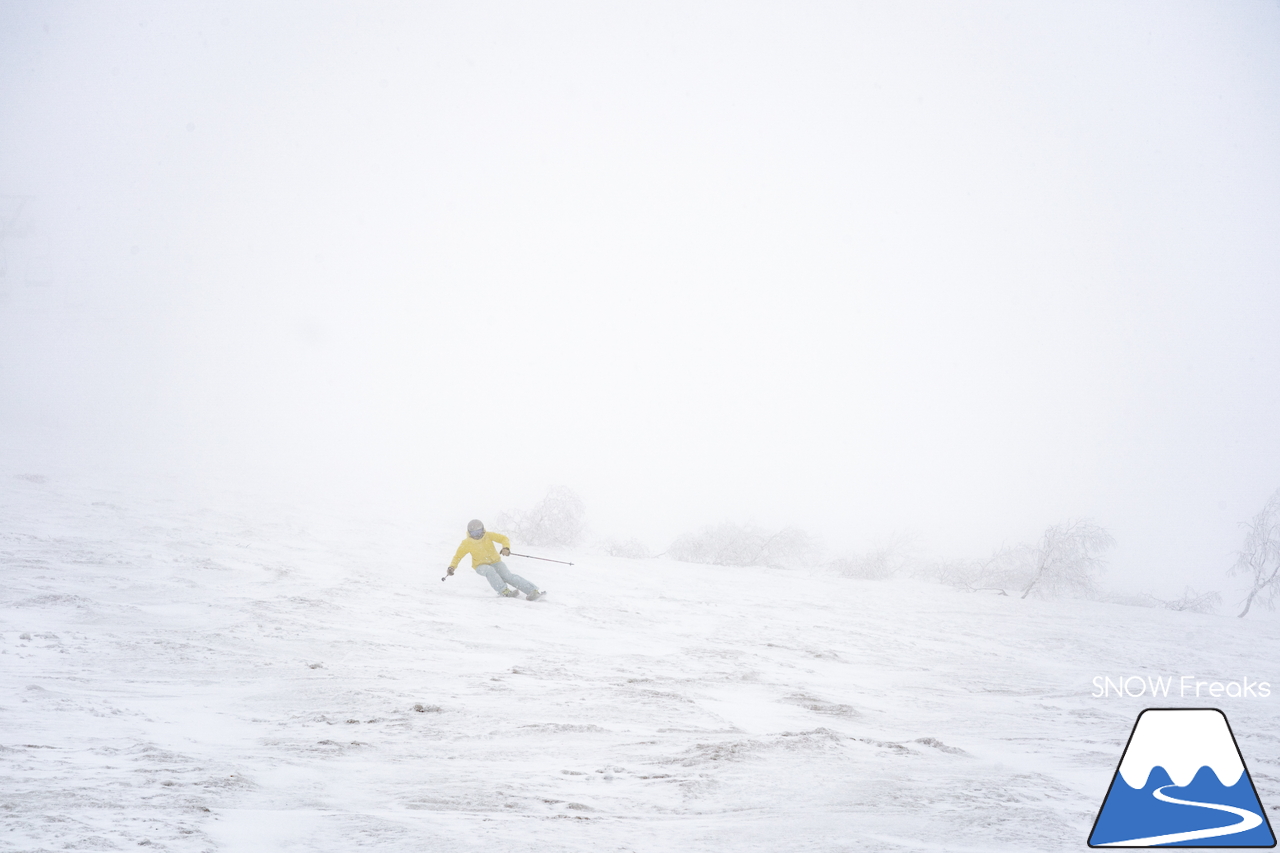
(966, 270)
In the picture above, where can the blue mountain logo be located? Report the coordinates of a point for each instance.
(1182, 783)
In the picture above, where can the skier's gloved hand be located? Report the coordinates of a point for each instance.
(452, 569)
(506, 552)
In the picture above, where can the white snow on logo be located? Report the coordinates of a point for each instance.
(1181, 742)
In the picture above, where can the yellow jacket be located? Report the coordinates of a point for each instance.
(481, 550)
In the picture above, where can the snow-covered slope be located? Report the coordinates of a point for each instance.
(191, 680)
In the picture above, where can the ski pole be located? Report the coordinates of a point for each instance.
(544, 559)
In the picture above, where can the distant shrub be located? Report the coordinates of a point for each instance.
(871, 566)
(1193, 602)
(558, 520)
(1007, 568)
(631, 548)
(745, 545)
(1189, 602)
(887, 561)
(1128, 599)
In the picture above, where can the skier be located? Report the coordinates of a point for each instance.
(486, 561)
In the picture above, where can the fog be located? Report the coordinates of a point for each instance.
(962, 271)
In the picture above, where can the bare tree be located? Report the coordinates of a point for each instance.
(789, 547)
(1259, 557)
(1068, 558)
(557, 520)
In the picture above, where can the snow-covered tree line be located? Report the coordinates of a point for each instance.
(1068, 559)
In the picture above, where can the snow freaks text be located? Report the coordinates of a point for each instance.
(1184, 686)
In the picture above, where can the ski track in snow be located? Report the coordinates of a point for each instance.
(181, 679)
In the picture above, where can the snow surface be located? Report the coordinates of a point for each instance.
(1181, 742)
(178, 678)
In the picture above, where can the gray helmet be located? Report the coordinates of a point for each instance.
(475, 528)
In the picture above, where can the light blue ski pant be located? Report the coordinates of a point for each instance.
(499, 576)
